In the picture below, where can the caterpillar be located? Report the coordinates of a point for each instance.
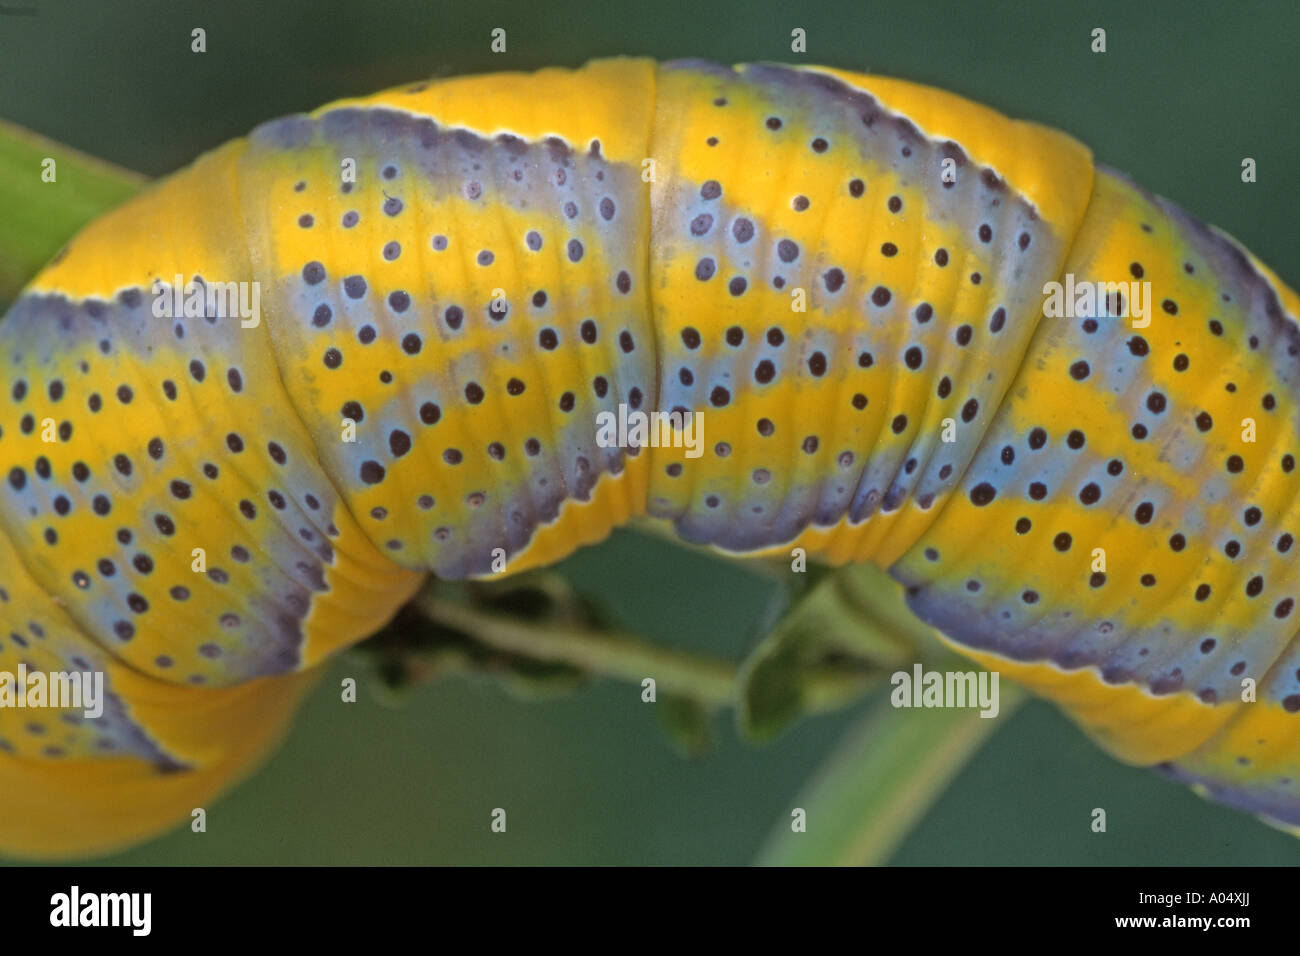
(845, 274)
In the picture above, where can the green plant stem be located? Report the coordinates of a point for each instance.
(709, 680)
(882, 779)
(40, 215)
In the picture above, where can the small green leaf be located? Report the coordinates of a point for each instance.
(835, 644)
(687, 724)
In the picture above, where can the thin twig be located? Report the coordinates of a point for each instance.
(707, 679)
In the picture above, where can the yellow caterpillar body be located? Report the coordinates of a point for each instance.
(845, 274)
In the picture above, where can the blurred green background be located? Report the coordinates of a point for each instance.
(1183, 93)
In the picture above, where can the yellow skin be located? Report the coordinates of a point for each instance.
(517, 253)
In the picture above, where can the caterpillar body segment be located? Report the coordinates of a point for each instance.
(1123, 538)
(135, 754)
(459, 281)
(831, 285)
(193, 745)
(182, 493)
(473, 302)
